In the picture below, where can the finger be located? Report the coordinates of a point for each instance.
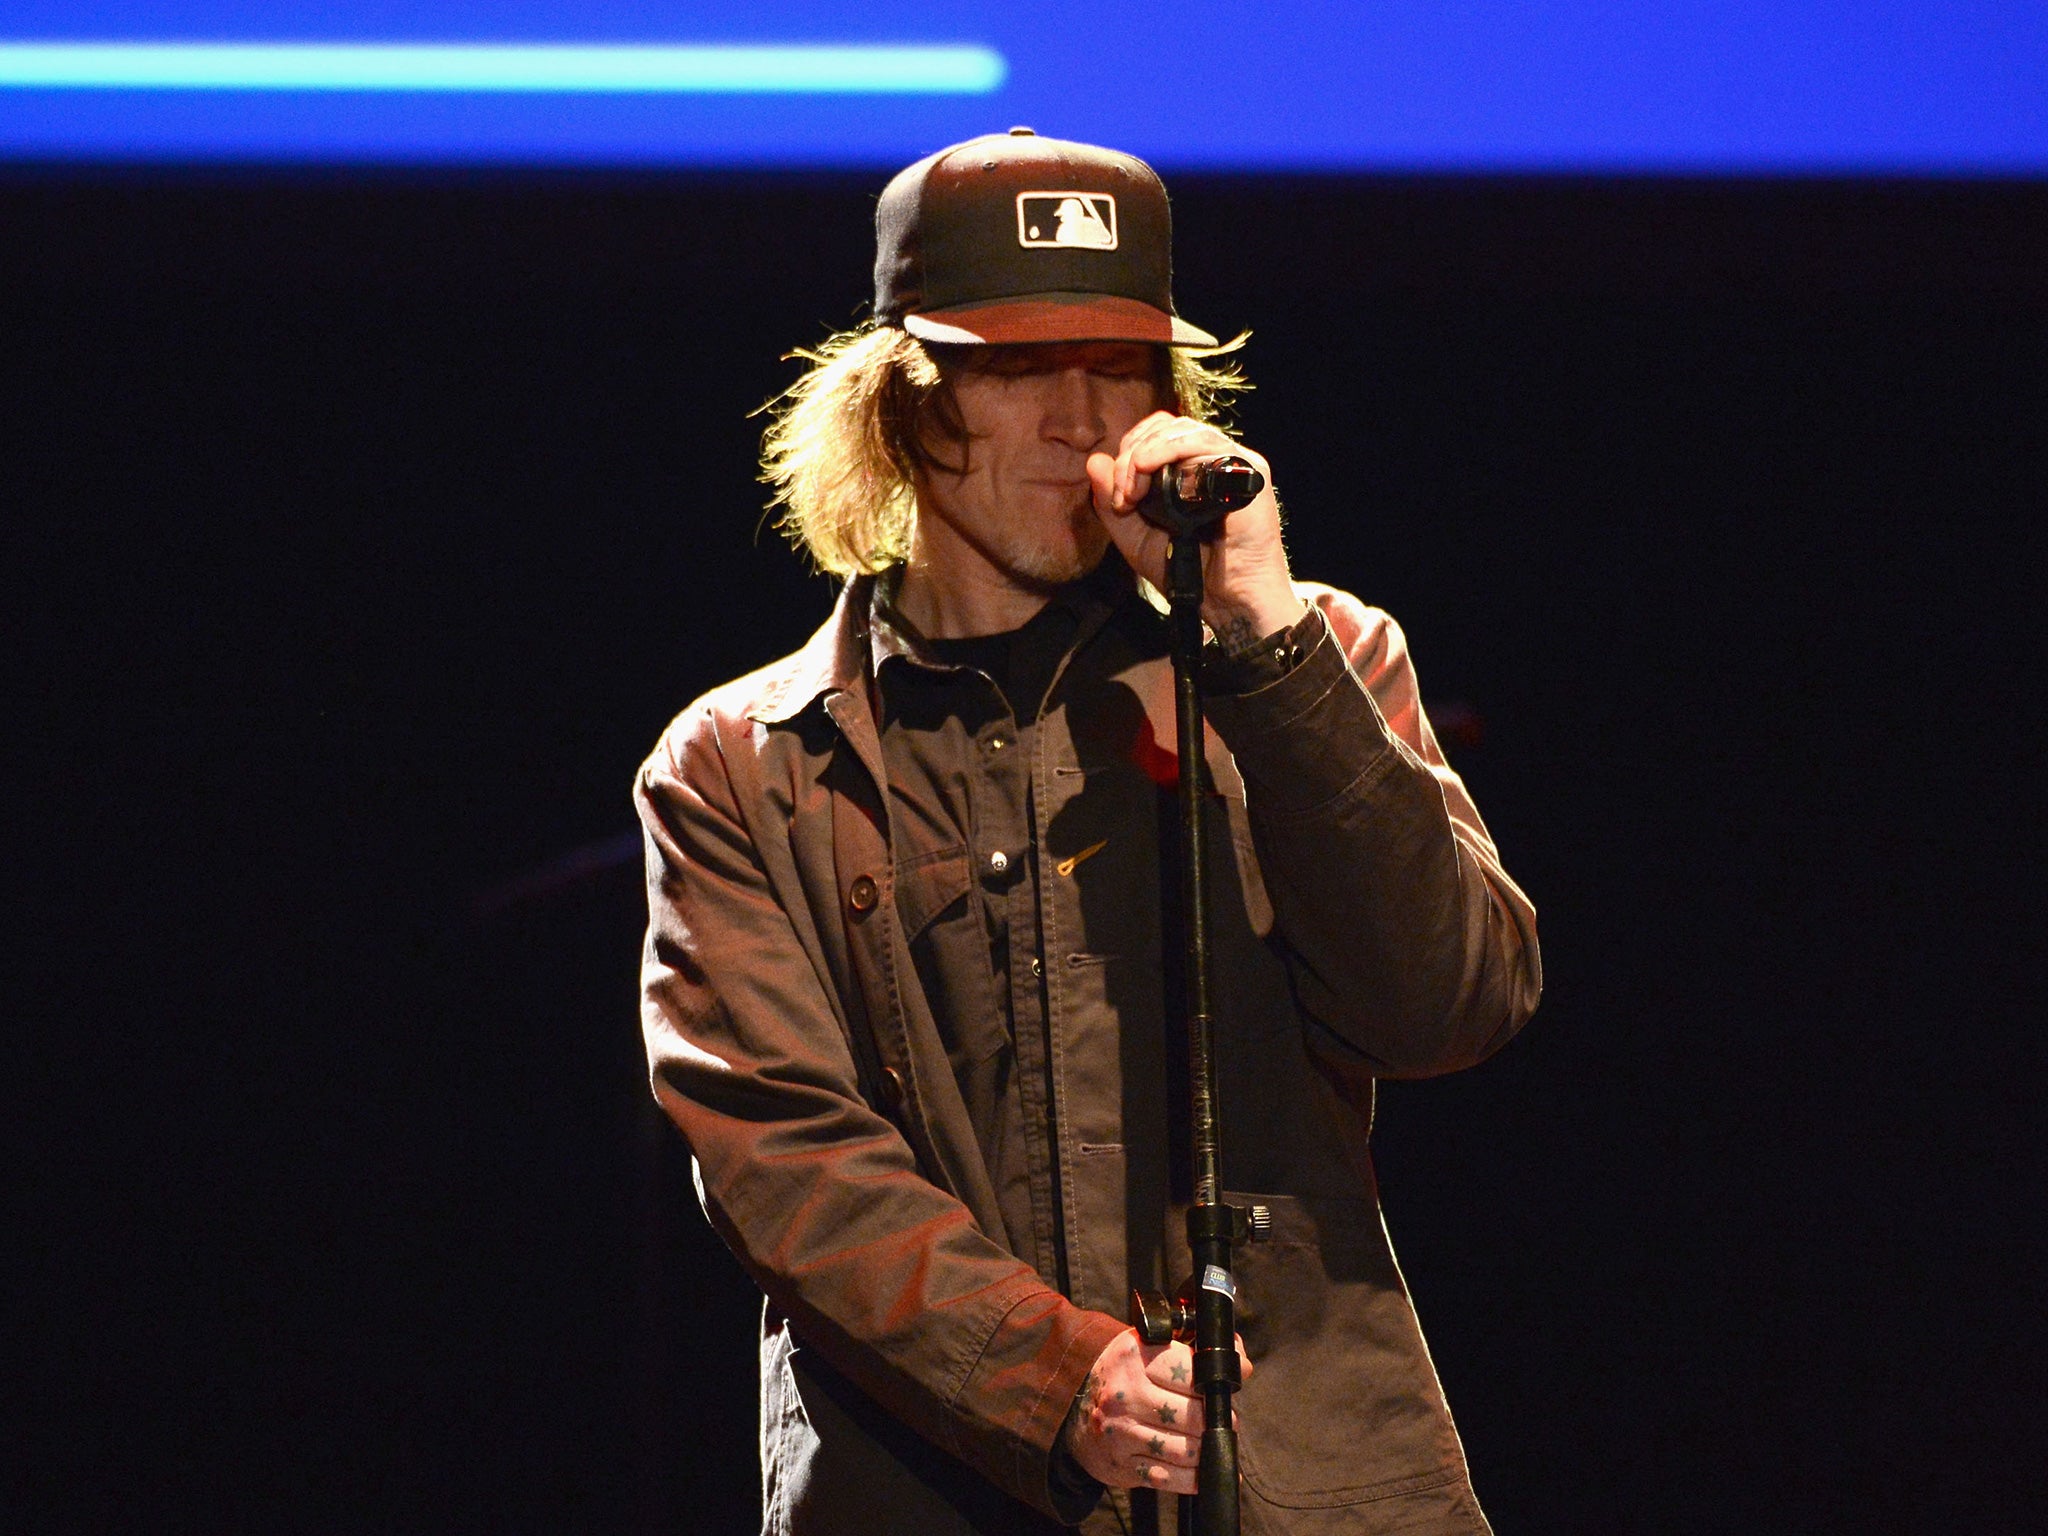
(1146, 1413)
(1173, 1368)
(1168, 1416)
(1182, 440)
(1171, 1415)
(1142, 545)
(1144, 427)
(1132, 486)
(1169, 1450)
(1152, 1474)
(1156, 441)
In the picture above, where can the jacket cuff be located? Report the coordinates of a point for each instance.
(1073, 1491)
(1306, 738)
(1068, 1351)
(1265, 663)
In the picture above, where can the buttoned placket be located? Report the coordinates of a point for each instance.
(1006, 855)
(1009, 877)
(1045, 1128)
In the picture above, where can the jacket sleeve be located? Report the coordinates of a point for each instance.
(1408, 943)
(819, 1196)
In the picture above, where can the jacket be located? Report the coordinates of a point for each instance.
(911, 1363)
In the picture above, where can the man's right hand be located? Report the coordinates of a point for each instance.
(1140, 1425)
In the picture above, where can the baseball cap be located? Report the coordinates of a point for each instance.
(1015, 238)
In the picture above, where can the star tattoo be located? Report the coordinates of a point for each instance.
(1158, 1446)
(1180, 1373)
(1166, 1413)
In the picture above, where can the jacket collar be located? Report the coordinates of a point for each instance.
(831, 661)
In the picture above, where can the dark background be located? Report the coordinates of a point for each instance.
(361, 534)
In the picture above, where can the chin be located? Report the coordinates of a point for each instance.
(1056, 564)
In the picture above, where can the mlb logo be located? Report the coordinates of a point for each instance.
(1084, 219)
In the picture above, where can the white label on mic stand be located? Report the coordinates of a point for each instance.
(1216, 1278)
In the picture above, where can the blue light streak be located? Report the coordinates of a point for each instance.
(1681, 87)
(881, 69)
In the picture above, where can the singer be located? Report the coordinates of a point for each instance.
(909, 893)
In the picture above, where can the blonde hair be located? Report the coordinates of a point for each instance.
(847, 442)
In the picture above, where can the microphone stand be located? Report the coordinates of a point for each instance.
(1192, 500)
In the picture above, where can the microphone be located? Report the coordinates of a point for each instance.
(1193, 495)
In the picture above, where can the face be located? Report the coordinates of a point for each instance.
(1021, 513)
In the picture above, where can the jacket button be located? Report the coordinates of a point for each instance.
(892, 1089)
(861, 896)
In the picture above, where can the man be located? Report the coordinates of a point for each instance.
(911, 905)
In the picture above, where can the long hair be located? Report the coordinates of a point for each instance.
(847, 442)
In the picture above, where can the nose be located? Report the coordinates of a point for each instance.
(1073, 410)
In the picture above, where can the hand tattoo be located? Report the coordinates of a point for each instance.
(1180, 1373)
(1158, 1446)
(1166, 1413)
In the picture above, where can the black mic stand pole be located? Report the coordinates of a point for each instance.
(1192, 501)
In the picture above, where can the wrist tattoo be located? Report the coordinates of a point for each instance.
(1236, 636)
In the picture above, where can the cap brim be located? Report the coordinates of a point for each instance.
(1042, 317)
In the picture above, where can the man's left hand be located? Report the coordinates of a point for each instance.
(1247, 593)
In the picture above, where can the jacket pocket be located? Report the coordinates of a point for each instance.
(927, 885)
(1344, 1407)
(949, 942)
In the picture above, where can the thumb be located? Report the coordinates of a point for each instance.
(1142, 545)
(1102, 486)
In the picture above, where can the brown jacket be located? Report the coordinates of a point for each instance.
(1367, 930)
